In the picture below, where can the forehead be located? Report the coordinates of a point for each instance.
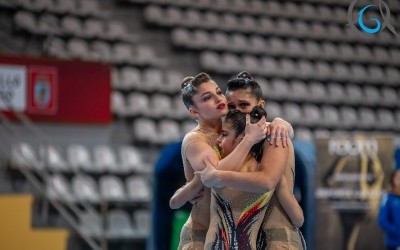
(207, 86)
(242, 94)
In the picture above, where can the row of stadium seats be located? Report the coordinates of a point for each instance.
(85, 8)
(162, 132)
(102, 158)
(110, 188)
(147, 80)
(120, 53)
(229, 63)
(274, 46)
(119, 225)
(330, 93)
(310, 115)
(319, 11)
(328, 116)
(67, 26)
(155, 106)
(172, 17)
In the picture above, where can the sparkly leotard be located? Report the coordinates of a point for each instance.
(280, 232)
(194, 231)
(237, 216)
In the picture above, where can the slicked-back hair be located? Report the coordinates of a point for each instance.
(244, 81)
(190, 87)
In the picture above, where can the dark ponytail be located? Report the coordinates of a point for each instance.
(190, 87)
(237, 120)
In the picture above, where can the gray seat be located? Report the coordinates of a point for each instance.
(181, 37)
(200, 39)
(354, 94)
(137, 104)
(85, 188)
(118, 104)
(375, 74)
(389, 97)
(368, 118)
(336, 93)
(58, 188)
(79, 157)
(301, 29)
(229, 22)
(238, 42)
(277, 46)
(138, 189)
(248, 23)
(131, 160)
(349, 117)
(323, 71)
(295, 48)
(122, 53)
(312, 115)
(145, 130)
(270, 65)
(71, 25)
(119, 225)
(193, 18)
(210, 60)
(273, 110)
(26, 20)
(101, 51)
(230, 63)
(112, 188)
(299, 90)
(280, 89)
(318, 92)
(142, 222)
(304, 134)
(152, 79)
(313, 50)
(54, 159)
(341, 72)
(395, 55)
(358, 73)
(386, 119)
(381, 55)
(160, 106)
(288, 68)
(292, 112)
(392, 75)
(130, 78)
(79, 49)
(266, 25)
(252, 64)
(91, 224)
(104, 158)
(306, 69)
(330, 117)
(372, 95)
(346, 52)
(24, 155)
(363, 53)
(169, 131)
(153, 14)
(329, 51)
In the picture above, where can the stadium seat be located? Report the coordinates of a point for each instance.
(91, 224)
(169, 131)
(137, 104)
(54, 159)
(389, 97)
(368, 118)
(142, 222)
(79, 157)
(112, 188)
(119, 225)
(354, 94)
(273, 110)
(130, 78)
(138, 189)
(57, 188)
(104, 158)
(349, 117)
(312, 115)
(318, 92)
(24, 155)
(145, 130)
(160, 106)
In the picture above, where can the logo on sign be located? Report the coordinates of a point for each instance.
(378, 23)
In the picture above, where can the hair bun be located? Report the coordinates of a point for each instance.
(257, 113)
(244, 75)
(186, 81)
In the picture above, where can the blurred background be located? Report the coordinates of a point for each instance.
(91, 114)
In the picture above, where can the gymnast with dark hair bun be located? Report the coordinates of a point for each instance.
(206, 103)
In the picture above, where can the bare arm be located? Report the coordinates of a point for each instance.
(186, 193)
(273, 165)
(199, 152)
(289, 203)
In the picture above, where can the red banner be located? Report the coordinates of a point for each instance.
(51, 90)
